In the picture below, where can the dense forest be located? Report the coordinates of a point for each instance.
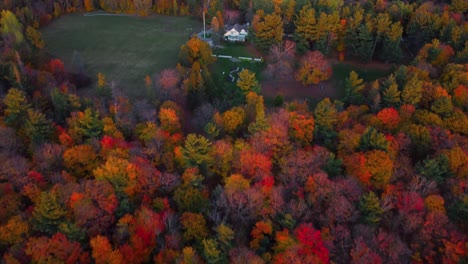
(189, 174)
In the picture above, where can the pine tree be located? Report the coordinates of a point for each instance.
(10, 27)
(17, 107)
(382, 24)
(247, 82)
(326, 115)
(37, 127)
(412, 91)
(48, 214)
(370, 208)
(363, 41)
(391, 94)
(391, 50)
(373, 139)
(211, 252)
(268, 29)
(196, 151)
(354, 87)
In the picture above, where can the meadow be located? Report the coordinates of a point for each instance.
(124, 48)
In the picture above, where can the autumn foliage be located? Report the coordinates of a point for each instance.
(313, 68)
(203, 169)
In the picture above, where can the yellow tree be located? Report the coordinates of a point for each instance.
(268, 29)
(233, 119)
(196, 50)
(10, 27)
(34, 37)
(317, 31)
(313, 68)
(120, 173)
(382, 24)
(380, 166)
(247, 82)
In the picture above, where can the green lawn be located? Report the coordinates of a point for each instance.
(234, 49)
(124, 48)
(228, 90)
(341, 72)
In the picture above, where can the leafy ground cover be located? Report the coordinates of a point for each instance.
(333, 88)
(124, 48)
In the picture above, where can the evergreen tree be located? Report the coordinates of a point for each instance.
(391, 50)
(247, 82)
(370, 208)
(325, 115)
(17, 107)
(10, 27)
(196, 151)
(373, 139)
(48, 214)
(391, 94)
(412, 91)
(436, 169)
(354, 87)
(37, 127)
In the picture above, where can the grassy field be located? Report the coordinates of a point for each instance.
(341, 72)
(229, 90)
(124, 48)
(234, 49)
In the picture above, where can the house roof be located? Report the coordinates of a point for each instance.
(238, 27)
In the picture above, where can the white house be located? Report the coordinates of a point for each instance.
(236, 33)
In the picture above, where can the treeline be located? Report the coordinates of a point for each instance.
(377, 177)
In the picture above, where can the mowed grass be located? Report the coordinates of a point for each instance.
(233, 49)
(124, 48)
(342, 70)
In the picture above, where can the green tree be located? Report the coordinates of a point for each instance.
(305, 28)
(196, 151)
(211, 253)
(10, 27)
(391, 50)
(37, 127)
(190, 199)
(317, 32)
(63, 103)
(436, 169)
(420, 140)
(247, 82)
(369, 206)
(268, 29)
(391, 94)
(326, 115)
(361, 40)
(225, 236)
(194, 226)
(412, 91)
(382, 23)
(48, 214)
(373, 139)
(16, 107)
(354, 87)
(34, 37)
(442, 106)
(85, 125)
